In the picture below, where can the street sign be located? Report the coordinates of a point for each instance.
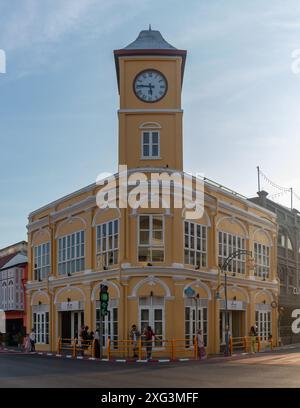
(189, 292)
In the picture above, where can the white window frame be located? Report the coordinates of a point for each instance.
(69, 261)
(101, 254)
(151, 246)
(41, 322)
(190, 335)
(42, 260)
(227, 249)
(263, 320)
(192, 246)
(151, 310)
(151, 144)
(262, 260)
(108, 325)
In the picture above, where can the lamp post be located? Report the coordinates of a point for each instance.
(223, 269)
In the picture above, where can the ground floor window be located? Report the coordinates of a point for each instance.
(151, 313)
(109, 326)
(263, 323)
(193, 323)
(41, 327)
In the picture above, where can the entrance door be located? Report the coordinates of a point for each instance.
(236, 324)
(71, 323)
(153, 316)
(109, 326)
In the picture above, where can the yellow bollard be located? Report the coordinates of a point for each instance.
(108, 348)
(196, 348)
(59, 346)
(74, 351)
(140, 348)
(93, 348)
(172, 349)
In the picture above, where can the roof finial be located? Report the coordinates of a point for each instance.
(150, 27)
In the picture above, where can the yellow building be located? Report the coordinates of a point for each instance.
(149, 257)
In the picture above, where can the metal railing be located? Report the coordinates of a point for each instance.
(76, 346)
(140, 349)
(248, 343)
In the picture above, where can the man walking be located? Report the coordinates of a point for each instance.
(32, 338)
(134, 337)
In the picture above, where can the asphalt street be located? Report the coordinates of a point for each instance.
(279, 369)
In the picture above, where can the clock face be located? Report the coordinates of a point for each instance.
(150, 85)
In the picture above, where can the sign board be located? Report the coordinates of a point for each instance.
(189, 292)
(2, 322)
(235, 305)
(69, 306)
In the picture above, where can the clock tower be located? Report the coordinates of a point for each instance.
(150, 75)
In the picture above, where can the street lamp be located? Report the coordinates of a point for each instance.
(223, 269)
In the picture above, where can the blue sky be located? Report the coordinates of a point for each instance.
(240, 97)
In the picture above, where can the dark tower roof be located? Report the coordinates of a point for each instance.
(150, 40)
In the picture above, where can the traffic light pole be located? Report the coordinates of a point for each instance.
(100, 328)
(103, 303)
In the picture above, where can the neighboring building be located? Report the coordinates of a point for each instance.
(13, 277)
(149, 257)
(288, 264)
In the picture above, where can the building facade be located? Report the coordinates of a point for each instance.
(13, 278)
(288, 264)
(148, 256)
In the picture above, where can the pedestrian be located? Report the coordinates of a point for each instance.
(26, 343)
(227, 340)
(252, 336)
(81, 341)
(85, 339)
(134, 337)
(148, 336)
(97, 343)
(200, 345)
(32, 338)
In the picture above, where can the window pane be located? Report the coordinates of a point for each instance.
(157, 222)
(144, 237)
(146, 151)
(144, 222)
(155, 137)
(144, 254)
(146, 138)
(155, 150)
(157, 255)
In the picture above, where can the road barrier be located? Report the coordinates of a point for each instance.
(76, 346)
(244, 344)
(141, 349)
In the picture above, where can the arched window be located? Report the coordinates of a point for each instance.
(4, 294)
(150, 140)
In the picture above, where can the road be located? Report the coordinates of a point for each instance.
(278, 369)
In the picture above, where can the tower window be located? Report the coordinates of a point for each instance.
(151, 145)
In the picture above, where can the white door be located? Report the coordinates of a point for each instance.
(109, 326)
(153, 316)
(77, 321)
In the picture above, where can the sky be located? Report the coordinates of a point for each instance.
(59, 98)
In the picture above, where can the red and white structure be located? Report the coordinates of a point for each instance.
(13, 277)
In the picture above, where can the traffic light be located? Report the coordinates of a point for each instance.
(104, 298)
